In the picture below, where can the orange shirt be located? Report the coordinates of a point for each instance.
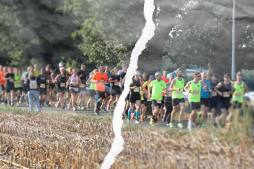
(100, 79)
(2, 78)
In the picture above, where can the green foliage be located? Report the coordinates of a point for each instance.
(95, 44)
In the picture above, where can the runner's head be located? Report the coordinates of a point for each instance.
(74, 71)
(197, 76)
(10, 70)
(226, 78)
(144, 76)
(83, 67)
(214, 78)
(137, 75)
(61, 64)
(170, 77)
(239, 76)
(151, 78)
(164, 73)
(102, 69)
(179, 73)
(62, 70)
(158, 76)
(204, 76)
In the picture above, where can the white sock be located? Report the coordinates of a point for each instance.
(189, 124)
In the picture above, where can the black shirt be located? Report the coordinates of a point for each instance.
(83, 76)
(42, 81)
(136, 84)
(9, 78)
(115, 78)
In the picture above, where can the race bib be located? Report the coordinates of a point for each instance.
(136, 89)
(226, 94)
(33, 84)
(82, 85)
(62, 84)
(42, 86)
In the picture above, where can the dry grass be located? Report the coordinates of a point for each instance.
(74, 141)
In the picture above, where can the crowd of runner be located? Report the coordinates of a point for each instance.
(161, 97)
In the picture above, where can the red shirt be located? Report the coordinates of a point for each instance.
(165, 79)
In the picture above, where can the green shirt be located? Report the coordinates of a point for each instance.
(92, 86)
(17, 82)
(238, 95)
(195, 92)
(178, 89)
(157, 89)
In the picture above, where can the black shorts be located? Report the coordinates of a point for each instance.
(18, 89)
(156, 103)
(224, 103)
(145, 102)
(194, 105)
(176, 102)
(115, 90)
(43, 91)
(101, 95)
(10, 87)
(51, 85)
(214, 102)
(134, 97)
(92, 92)
(205, 102)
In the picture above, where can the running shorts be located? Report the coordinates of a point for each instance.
(176, 102)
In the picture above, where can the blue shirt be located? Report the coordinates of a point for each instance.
(205, 89)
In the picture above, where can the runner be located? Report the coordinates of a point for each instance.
(73, 83)
(205, 95)
(18, 83)
(168, 101)
(224, 89)
(61, 83)
(91, 89)
(177, 87)
(239, 88)
(33, 92)
(99, 78)
(2, 83)
(135, 98)
(144, 95)
(82, 87)
(50, 88)
(42, 86)
(194, 89)
(214, 97)
(155, 91)
(10, 87)
(115, 89)
(24, 80)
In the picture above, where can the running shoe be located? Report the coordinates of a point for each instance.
(180, 125)
(171, 125)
